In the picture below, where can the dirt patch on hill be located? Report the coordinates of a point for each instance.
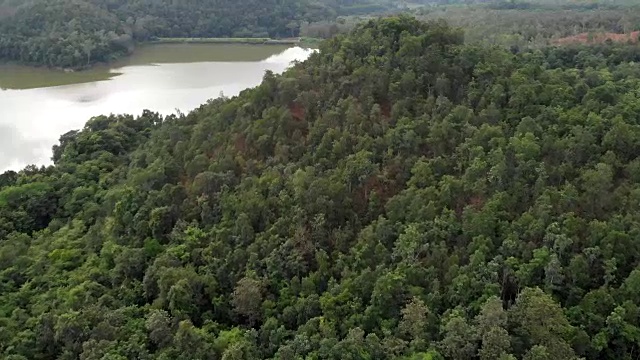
(598, 38)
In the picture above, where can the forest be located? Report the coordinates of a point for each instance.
(516, 24)
(537, 24)
(402, 194)
(78, 33)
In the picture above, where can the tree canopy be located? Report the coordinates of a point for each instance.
(79, 33)
(400, 195)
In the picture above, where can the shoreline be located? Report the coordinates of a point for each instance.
(299, 41)
(250, 41)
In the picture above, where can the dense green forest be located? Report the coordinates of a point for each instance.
(400, 195)
(78, 33)
(518, 23)
(532, 24)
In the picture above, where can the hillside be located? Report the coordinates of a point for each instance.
(598, 38)
(515, 24)
(400, 195)
(79, 33)
(535, 24)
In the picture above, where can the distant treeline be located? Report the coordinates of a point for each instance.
(539, 25)
(515, 24)
(79, 33)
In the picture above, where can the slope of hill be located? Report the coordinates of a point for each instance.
(78, 33)
(598, 38)
(536, 25)
(398, 195)
(62, 33)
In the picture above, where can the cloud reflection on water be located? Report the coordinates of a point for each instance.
(31, 121)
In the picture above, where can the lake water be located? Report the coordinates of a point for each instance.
(39, 105)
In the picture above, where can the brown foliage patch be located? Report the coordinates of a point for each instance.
(240, 143)
(297, 111)
(385, 108)
(375, 184)
(598, 38)
(477, 201)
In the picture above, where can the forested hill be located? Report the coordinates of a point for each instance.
(78, 33)
(398, 195)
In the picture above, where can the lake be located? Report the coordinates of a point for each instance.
(38, 105)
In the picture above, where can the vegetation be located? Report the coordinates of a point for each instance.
(534, 24)
(517, 24)
(256, 41)
(62, 33)
(401, 194)
(79, 33)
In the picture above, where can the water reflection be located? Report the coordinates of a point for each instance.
(32, 120)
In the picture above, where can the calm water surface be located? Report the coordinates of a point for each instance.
(39, 105)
